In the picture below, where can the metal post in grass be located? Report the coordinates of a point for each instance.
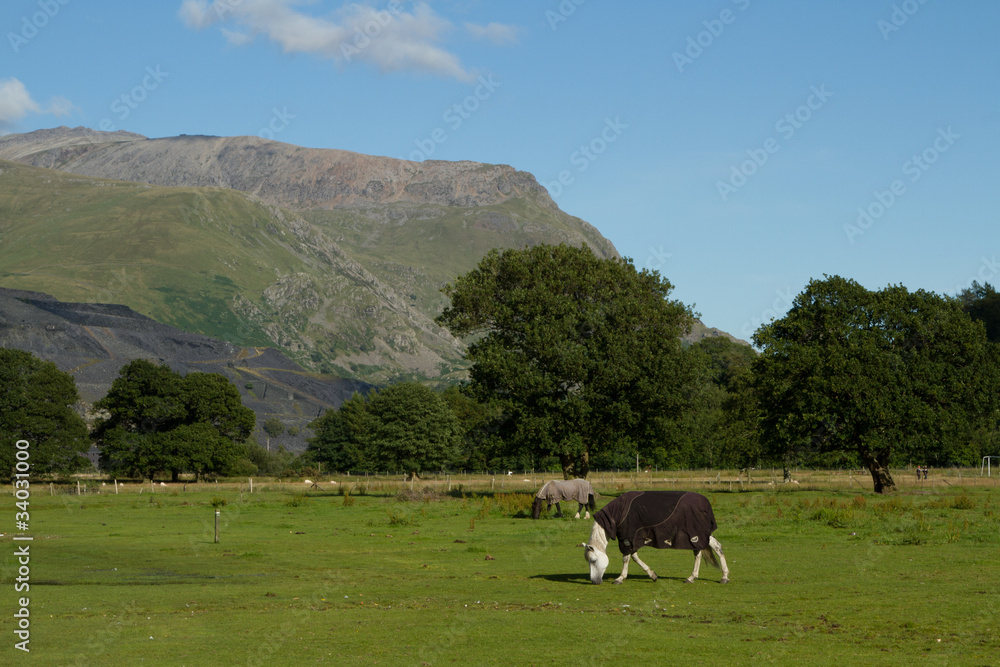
(216, 526)
(116, 487)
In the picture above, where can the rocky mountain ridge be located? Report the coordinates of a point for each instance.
(333, 257)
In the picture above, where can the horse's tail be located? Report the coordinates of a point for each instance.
(536, 508)
(590, 502)
(712, 558)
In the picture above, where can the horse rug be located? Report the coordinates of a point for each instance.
(661, 519)
(559, 490)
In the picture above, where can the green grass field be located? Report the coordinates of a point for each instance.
(823, 573)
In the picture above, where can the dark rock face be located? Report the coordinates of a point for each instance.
(92, 341)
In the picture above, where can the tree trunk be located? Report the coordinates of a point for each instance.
(574, 466)
(876, 462)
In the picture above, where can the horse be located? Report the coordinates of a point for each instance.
(662, 519)
(565, 489)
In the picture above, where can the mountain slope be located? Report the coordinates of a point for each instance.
(335, 258)
(211, 261)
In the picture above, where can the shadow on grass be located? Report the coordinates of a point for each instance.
(608, 578)
(563, 578)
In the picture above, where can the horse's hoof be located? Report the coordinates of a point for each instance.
(618, 581)
(689, 580)
(653, 577)
(724, 581)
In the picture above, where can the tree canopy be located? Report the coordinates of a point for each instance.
(581, 355)
(404, 426)
(886, 375)
(158, 420)
(36, 400)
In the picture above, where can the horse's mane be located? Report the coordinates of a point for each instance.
(598, 539)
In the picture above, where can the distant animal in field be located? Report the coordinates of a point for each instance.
(558, 490)
(661, 519)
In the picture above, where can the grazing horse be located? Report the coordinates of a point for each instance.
(662, 519)
(558, 490)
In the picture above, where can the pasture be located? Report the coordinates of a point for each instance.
(823, 572)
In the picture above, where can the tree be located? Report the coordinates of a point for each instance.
(405, 426)
(273, 427)
(341, 436)
(982, 303)
(883, 375)
(36, 400)
(210, 398)
(581, 355)
(160, 421)
(412, 428)
(718, 363)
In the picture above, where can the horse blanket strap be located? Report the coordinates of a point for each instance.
(569, 489)
(661, 519)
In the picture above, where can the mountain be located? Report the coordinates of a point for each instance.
(92, 341)
(333, 257)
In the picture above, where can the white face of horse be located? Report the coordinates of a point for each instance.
(598, 563)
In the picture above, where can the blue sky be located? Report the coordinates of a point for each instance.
(739, 147)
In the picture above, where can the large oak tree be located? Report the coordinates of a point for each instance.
(885, 375)
(158, 420)
(580, 354)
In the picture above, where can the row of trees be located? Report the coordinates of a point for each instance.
(153, 421)
(577, 362)
(578, 359)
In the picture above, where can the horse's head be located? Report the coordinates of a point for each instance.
(536, 508)
(598, 562)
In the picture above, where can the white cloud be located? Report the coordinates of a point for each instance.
(236, 38)
(16, 103)
(390, 38)
(497, 33)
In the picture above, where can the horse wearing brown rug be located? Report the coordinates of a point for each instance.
(661, 519)
(558, 490)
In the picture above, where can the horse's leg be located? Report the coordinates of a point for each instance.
(717, 548)
(558, 510)
(577, 515)
(624, 574)
(652, 575)
(697, 566)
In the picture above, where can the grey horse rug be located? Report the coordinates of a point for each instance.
(559, 490)
(661, 519)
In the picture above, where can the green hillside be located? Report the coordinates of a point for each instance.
(348, 291)
(178, 255)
